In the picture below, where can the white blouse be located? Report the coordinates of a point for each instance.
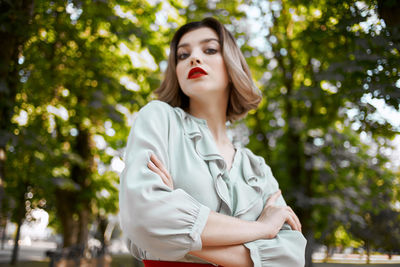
(164, 224)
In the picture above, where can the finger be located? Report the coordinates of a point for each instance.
(153, 167)
(298, 227)
(292, 223)
(160, 165)
(170, 184)
(165, 177)
(158, 171)
(294, 216)
(272, 199)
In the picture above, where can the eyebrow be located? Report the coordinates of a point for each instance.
(202, 41)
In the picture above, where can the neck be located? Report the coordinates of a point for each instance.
(214, 112)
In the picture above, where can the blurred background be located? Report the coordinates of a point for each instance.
(73, 73)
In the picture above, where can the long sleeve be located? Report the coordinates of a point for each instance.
(165, 223)
(287, 248)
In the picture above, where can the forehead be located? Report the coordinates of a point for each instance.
(196, 36)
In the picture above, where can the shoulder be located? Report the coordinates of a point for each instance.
(157, 112)
(158, 115)
(162, 112)
(156, 107)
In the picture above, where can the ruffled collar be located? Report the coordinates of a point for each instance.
(251, 166)
(196, 128)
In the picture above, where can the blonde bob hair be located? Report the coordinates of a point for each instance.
(244, 95)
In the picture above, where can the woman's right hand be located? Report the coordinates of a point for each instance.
(275, 216)
(158, 167)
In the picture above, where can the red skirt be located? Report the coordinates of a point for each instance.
(149, 263)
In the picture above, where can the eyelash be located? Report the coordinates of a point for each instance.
(209, 51)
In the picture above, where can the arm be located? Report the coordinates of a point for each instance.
(165, 223)
(282, 248)
(221, 230)
(232, 256)
(288, 247)
(168, 223)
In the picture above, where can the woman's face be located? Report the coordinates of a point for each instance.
(200, 66)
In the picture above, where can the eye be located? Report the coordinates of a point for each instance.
(211, 51)
(182, 55)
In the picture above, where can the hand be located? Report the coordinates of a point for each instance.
(158, 167)
(275, 216)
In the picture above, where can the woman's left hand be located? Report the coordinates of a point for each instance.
(158, 167)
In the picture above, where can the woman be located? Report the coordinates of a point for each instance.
(187, 194)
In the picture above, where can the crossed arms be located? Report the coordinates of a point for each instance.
(223, 236)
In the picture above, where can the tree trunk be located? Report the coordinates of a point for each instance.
(65, 203)
(309, 248)
(15, 29)
(326, 254)
(3, 235)
(83, 234)
(73, 206)
(389, 10)
(20, 219)
(14, 256)
(2, 173)
(82, 176)
(104, 231)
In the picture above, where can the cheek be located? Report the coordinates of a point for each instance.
(222, 69)
(179, 73)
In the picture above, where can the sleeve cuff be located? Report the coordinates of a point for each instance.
(254, 255)
(286, 249)
(198, 227)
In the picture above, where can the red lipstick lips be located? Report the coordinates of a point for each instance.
(196, 73)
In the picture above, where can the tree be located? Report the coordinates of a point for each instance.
(27, 184)
(77, 71)
(83, 69)
(313, 68)
(14, 16)
(74, 58)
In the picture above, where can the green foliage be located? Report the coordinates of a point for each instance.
(83, 68)
(316, 128)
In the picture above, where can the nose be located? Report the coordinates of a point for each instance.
(195, 57)
(194, 60)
